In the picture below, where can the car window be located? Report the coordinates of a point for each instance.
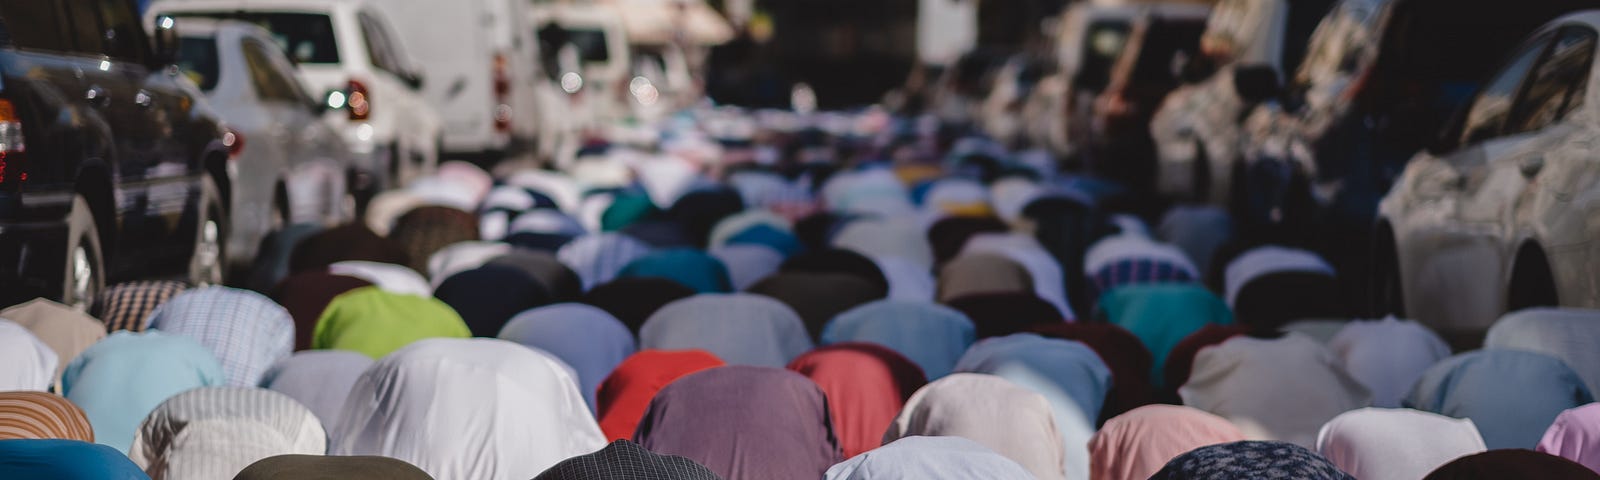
(269, 80)
(122, 38)
(1493, 104)
(197, 59)
(305, 37)
(34, 25)
(1557, 84)
(589, 43)
(380, 50)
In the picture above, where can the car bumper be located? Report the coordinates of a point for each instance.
(32, 255)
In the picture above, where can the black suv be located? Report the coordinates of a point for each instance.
(111, 164)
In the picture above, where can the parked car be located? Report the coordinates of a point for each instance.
(1380, 78)
(112, 166)
(1197, 128)
(482, 59)
(1113, 133)
(348, 55)
(298, 167)
(1499, 215)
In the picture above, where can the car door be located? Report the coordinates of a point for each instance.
(1549, 168)
(388, 72)
(308, 159)
(46, 91)
(1455, 236)
(145, 110)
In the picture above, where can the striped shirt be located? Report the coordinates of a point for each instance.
(245, 330)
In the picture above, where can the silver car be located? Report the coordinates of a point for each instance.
(1504, 213)
(293, 167)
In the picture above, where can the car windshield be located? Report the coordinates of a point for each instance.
(304, 37)
(197, 58)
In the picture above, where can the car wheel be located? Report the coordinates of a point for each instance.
(210, 244)
(1387, 291)
(1200, 178)
(279, 216)
(1532, 282)
(84, 274)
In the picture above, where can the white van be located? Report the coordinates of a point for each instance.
(346, 53)
(583, 52)
(481, 60)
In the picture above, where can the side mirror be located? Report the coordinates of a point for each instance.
(164, 39)
(412, 79)
(1256, 83)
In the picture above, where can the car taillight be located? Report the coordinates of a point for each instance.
(234, 141)
(13, 148)
(502, 93)
(360, 101)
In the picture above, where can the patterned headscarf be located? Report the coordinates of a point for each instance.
(1249, 459)
(625, 459)
(246, 331)
(127, 306)
(744, 422)
(42, 415)
(426, 230)
(216, 432)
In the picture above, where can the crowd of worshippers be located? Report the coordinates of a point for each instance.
(684, 316)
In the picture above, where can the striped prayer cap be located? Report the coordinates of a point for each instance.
(39, 415)
(127, 306)
(215, 432)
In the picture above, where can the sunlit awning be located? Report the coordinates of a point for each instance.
(657, 21)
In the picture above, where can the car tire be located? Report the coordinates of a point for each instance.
(83, 275)
(1387, 289)
(1200, 178)
(207, 263)
(396, 164)
(1532, 281)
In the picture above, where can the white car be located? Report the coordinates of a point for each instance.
(1198, 127)
(1502, 213)
(348, 55)
(482, 61)
(292, 166)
